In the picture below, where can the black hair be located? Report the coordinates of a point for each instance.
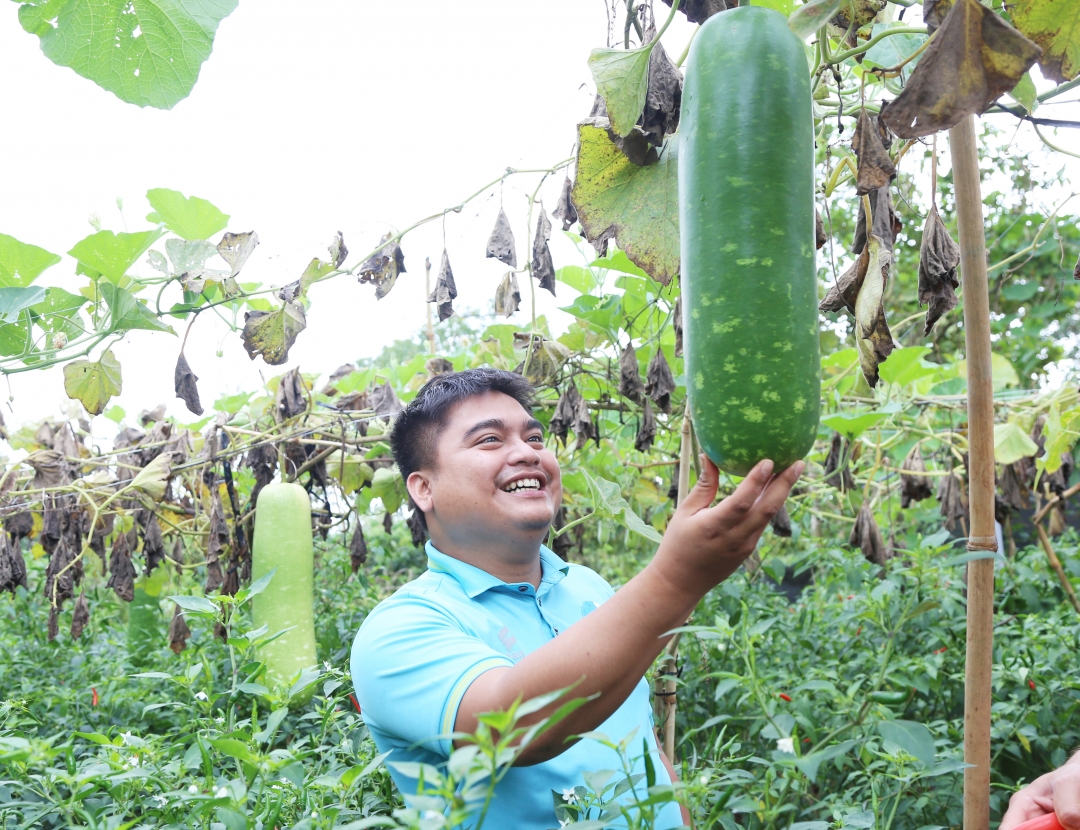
(417, 428)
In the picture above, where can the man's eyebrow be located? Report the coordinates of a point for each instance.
(532, 423)
(500, 424)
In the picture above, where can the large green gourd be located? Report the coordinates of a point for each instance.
(283, 541)
(746, 209)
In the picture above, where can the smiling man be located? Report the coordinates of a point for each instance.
(498, 617)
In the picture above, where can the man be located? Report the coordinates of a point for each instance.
(1056, 792)
(498, 617)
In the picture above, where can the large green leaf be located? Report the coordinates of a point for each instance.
(146, 52)
(911, 736)
(639, 206)
(14, 300)
(93, 382)
(111, 254)
(127, 312)
(21, 263)
(1055, 26)
(59, 312)
(608, 503)
(852, 426)
(1011, 443)
(187, 217)
(622, 79)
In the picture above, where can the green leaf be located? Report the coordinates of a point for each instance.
(21, 263)
(199, 605)
(906, 366)
(111, 254)
(810, 17)
(14, 300)
(59, 312)
(1061, 434)
(1055, 26)
(809, 764)
(128, 313)
(785, 7)
(191, 218)
(1012, 442)
(852, 426)
(912, 737)
(1025, 94)
(622, 79)
(609, 504)
(618, 261)
(93, 382)
(272, 334)
(578, 278)
(388, 485)
(145, 52)
(894, 50)
(638, 205)
(234, 749)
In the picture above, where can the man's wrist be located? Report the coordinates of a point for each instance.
(680, 593)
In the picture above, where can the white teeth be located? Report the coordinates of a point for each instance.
(523, 484)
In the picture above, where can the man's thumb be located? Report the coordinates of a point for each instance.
(701, 495)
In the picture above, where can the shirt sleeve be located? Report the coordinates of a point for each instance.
(411, 665)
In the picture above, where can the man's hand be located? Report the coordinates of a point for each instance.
(1057, 791)
(703, 545)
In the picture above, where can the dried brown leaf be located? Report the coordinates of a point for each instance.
(843, 481)
(677, 324)
(417, 527)
(121, 570)
(887, 222)
(938, 259)
(842, 294)
(507, 295)
(384, 401)
(867, 536)
(358, 550)
(659, 382)
(933, 12)
(184, 382)
(272, 333)
(565, 211)
(872, 335)
(572, 414)
(291, 398)
(438, 366)
(698, 11)
(953, 499)
(974, 58)
(383, 267)
(50, 469)
(663, 96)
(542, 266)
(819, 232)
(80, 616)
(338, 251)
(235, 248)
(630, 385)
(178, 631)
(781, 523)
(914, 487)
(875, 169)
(388, 521)
(647, 430)
(153, 544)
(445, 290)
(501, 244)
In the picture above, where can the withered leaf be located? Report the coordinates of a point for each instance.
(562, 544)
(153, 544)
(781, 523)
(184, 381)
(291, 398)
(677, 324)
(974, 58)
(121, 571)
(875, 169)
(438, 366)
(938, 258)
(500, 244)
(953, 499)
(663, 97)
(272, 333)
(872, 335)
(630, 385)
(565, 211)
(507, 295)
(1076, 269)
(544, 357)
(388, 521)
(383, 267)
(698, 11)
(1055, 521)
(80, 616)
(177, 554)
(178, 631)
(216, 543)
(543, 268)
(417, 527)
(819, 232)
(572, 413)
(842, 294)
(867, 536)
(647, 430)
(358, 550)
(887, 222)
(445, 289)
(1014, 487)
(853, 15)
(235, 248)
(12, 565)
(933, 13)
(383, 400)
(338, 251)
(50, 470)
(659, 382)
(20, 524)
(151, 416)
(843, 480)
(914, 487)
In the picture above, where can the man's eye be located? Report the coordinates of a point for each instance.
(539, 438)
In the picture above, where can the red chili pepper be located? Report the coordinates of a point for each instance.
(1031, 683)
(785, 697)
(355, 703)
(858, 631)
(94, 699)
(941, 650)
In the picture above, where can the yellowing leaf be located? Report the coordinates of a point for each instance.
(637, 206)
(153, 477)
(1055, 26)
(1011, 443)
(272, 334)
(93, 382)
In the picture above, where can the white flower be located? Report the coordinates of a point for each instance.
(704, 780)
(430, 815)
(326, 665)
(126, 737)
(134, 760)
(569, 796)
(786, 745)
(222, 793)
(314, 814)
(200, 695)
(565, 822)
(219, 720)
(160, 800)
(192, 789)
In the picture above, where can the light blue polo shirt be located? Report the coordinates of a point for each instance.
(419, 650)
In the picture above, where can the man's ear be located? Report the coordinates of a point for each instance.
(419, 487)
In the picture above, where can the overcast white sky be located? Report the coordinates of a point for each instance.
(307, 119)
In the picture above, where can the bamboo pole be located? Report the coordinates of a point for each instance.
(982, 537)
(665, 689)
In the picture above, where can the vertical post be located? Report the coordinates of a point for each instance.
(982, 536)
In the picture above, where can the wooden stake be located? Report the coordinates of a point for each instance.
(1055, 563)
(980, 610)
(665, 697)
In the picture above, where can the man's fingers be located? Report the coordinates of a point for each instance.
(701, 495)
(736, 506)
(777, 491)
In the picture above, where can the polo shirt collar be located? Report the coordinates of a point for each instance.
(475, 581)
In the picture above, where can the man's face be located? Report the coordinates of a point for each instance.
(493, 480)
